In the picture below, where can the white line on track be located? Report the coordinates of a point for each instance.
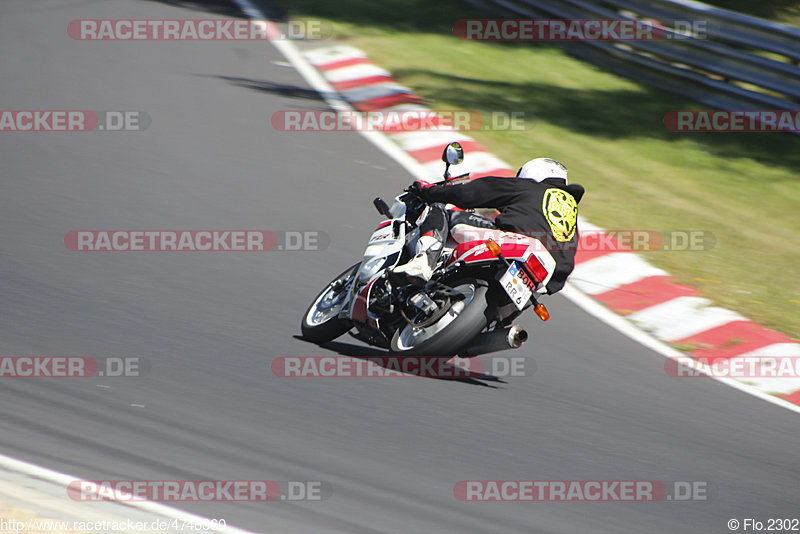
(311, 75)
(64, 480)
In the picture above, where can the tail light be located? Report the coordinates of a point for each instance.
(538, 270)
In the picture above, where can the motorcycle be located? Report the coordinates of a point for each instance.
(484, 280)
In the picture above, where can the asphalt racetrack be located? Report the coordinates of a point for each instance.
(592, 404)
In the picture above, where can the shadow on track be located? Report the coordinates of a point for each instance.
(289, 91)
(389, 361)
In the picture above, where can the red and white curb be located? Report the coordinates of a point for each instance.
(674, 313)
(625, 283)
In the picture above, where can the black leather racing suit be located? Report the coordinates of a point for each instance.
(545, 210)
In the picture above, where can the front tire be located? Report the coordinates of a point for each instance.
(453, 331)
(321, 322)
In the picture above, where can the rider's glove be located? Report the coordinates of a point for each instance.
(418, 187)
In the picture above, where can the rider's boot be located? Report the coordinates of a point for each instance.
(421, 265)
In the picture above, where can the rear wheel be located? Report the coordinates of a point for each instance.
(462, 321)
(321, 322)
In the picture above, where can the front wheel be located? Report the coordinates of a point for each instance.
(464, 319)
(321, 322)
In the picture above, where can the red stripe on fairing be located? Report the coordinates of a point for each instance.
(362, 82)
(359, 312)
(510, 251)
(644, 293)
(387, 101)
(383, 224)
(343, 63)
(732, 339)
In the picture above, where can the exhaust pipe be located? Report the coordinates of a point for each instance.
(507, 338)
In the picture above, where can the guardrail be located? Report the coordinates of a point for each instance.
(739, 63)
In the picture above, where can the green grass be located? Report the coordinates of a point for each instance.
(742, 188)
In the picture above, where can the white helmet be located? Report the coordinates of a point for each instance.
(540, 168)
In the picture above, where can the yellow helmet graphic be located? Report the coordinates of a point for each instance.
(561, 211)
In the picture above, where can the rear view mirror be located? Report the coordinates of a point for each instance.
(453, 155)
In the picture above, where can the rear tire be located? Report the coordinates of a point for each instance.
(456, 334)
(321, 323)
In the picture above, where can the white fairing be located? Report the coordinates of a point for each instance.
(382, 244)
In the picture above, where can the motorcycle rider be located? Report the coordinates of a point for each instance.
(537, 202)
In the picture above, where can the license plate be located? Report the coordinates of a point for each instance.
(517, 284)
